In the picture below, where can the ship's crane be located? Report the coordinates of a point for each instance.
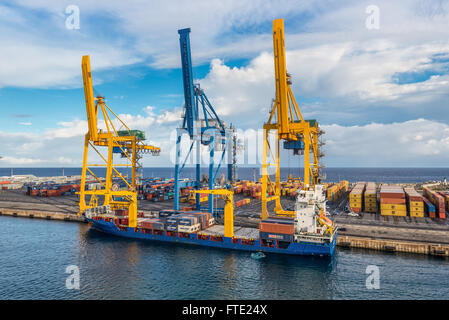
(117, 138)
(287, 122)
(228, 197)
(203, 127)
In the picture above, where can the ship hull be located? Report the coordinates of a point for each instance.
(301, 248)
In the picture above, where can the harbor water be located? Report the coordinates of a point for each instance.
(35, 255)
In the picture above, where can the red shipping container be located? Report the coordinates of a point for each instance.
(146, 225)
(276, 228)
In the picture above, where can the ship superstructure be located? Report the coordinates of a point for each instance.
(311, 221)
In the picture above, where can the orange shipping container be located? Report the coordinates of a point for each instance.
(277, 228)
(384, 200)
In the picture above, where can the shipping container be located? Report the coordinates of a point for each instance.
(356, 197)
(392, 201)
(276, 236)
(429, 209)
(276, 227)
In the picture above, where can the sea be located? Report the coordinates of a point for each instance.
(388, 175)
(39, 259)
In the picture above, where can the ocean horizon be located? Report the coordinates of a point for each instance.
(332, 174)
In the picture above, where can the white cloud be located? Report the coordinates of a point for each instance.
(418, 142)
(169, 116)
(67, 130)
(411, 143)
(238, 92)
(14, 161)
(331, 54)
(63, 144)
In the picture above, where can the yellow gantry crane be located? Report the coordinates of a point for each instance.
(286, 120)
(228, 197)
(129, 143)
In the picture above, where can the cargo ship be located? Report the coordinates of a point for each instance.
(309, 232)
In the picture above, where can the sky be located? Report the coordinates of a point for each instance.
(376, 81)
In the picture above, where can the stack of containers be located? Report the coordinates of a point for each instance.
(429, 208)
(204, 218)
(277, 228)
(122, 216)
(152, 224)
(371, 198)
(356, 197)
(392, 201)
(330, 192)
(242, 202)
(245, 187)
(445, 195)
(172, 222)
(237, 189)
(415, 203)
(335, 191)
(437, 200)
(255, 191)
(167, 213)
(188, 223)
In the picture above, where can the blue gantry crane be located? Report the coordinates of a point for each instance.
(203, 127)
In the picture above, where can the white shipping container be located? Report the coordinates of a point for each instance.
(189, 229)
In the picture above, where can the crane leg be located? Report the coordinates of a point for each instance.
(178, 155)
(107, 196)
(82, 203)
(306, 159)
(132, 211)
(264, 213)
(278, 207)
(229, 218)
(211, 173)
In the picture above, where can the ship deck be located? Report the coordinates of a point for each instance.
(239, 232)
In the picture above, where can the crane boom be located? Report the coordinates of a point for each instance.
(187, 76)
(286, 120)
(89, 96)
(202, 124)
(280, 69)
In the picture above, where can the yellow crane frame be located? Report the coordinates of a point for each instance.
(130, 145)
(228, 197)
(289, 125)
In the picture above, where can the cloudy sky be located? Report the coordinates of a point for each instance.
(381, 94)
